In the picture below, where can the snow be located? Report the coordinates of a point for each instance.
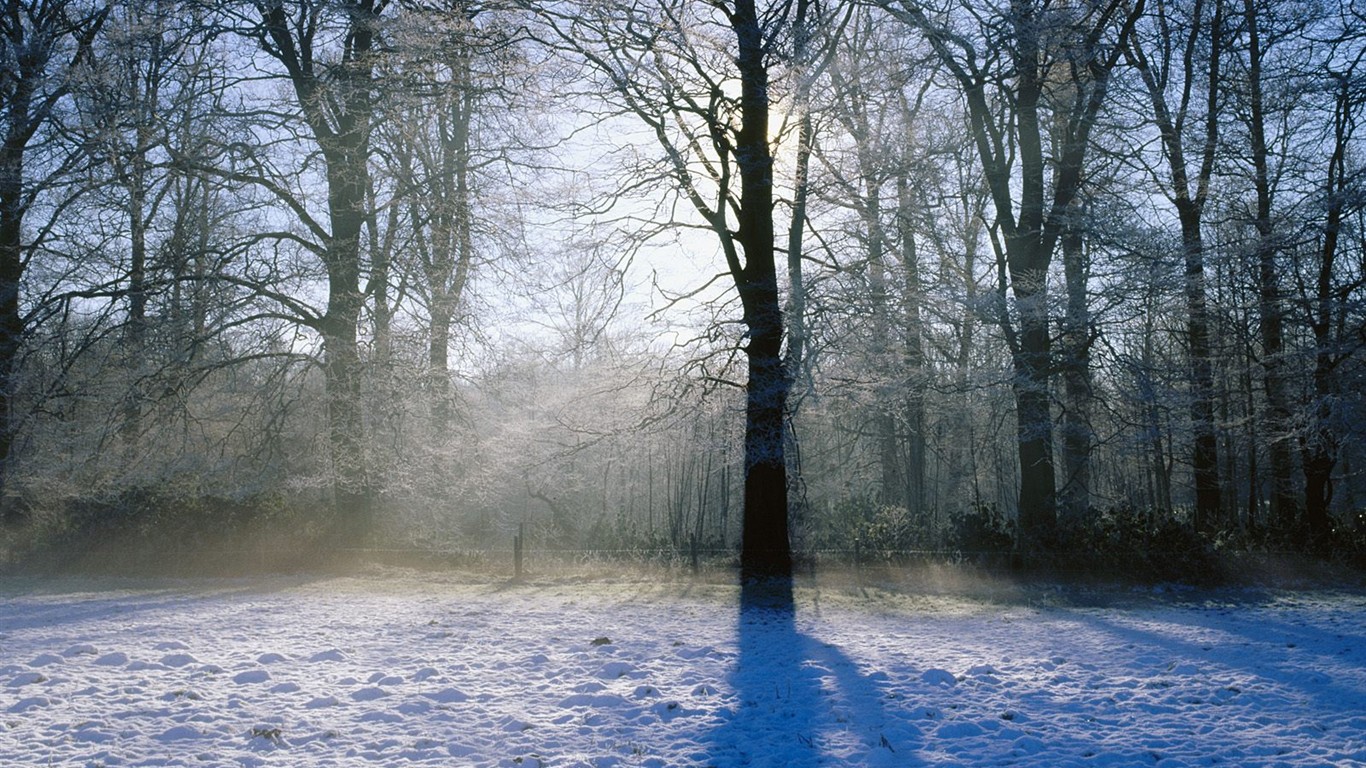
(421, 669)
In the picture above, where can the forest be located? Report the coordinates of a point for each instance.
(763, 282)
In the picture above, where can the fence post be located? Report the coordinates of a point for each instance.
(692, 552)
(517, 542)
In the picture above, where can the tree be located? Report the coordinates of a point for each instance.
(143, 69)
(42, 43)
(1183, 84)
(1011, 70)
(876, 102)
(452, 91)
(1271, 311)
(1327, 292)
(699, 77)
(327, 51)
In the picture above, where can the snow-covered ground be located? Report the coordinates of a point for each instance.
(434, 670)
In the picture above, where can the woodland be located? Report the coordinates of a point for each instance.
(775, 283)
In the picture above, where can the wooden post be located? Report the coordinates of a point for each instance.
(692, 552)
(517, 542)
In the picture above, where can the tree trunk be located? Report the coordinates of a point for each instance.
(1320, 444)
(1205, 462)
(1033, 412)
(339, 109)
(1075, 362)
(1189, 197)
(884, 395)
(11, 275)
(796, 230)
(765, 550)
(136, 332)
(914, 353)
(1285, 506)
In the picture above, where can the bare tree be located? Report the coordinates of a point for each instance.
(1327, 293)
(451, 96)
(699, 77)
(42, 43)
(1182, 79)
(326, 55)
(1007, 67)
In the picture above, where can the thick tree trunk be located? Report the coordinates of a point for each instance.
(339, 109)
(1032, 359)
(11, 321)
(1075, 362)
(1285, 504)
(352, 491)
(765, 550)
(1205, 464)
(914, 353)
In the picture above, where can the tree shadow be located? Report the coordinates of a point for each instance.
(1294, 656)
(799, 701)
(52, 603)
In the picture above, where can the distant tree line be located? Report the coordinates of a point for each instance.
(756, 277)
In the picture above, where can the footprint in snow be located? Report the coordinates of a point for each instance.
(45, 659)
(251, 676)
(448, 696)
(32, 702)
(940, 677)
(178, 659)
(328, 655)
(615, 669)
(27, 678)
(958, 730)
(81, 649)
(369, 694)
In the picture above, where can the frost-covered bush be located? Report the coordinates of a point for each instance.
(158, 529)
(982, 535)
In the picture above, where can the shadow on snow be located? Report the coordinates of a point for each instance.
(802, 702)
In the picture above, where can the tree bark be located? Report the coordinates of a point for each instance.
(914, 352)
(1077, 436)
(1189, 196)
(1285, 504)
(765, 550)
(338, 108)
(29, 91)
